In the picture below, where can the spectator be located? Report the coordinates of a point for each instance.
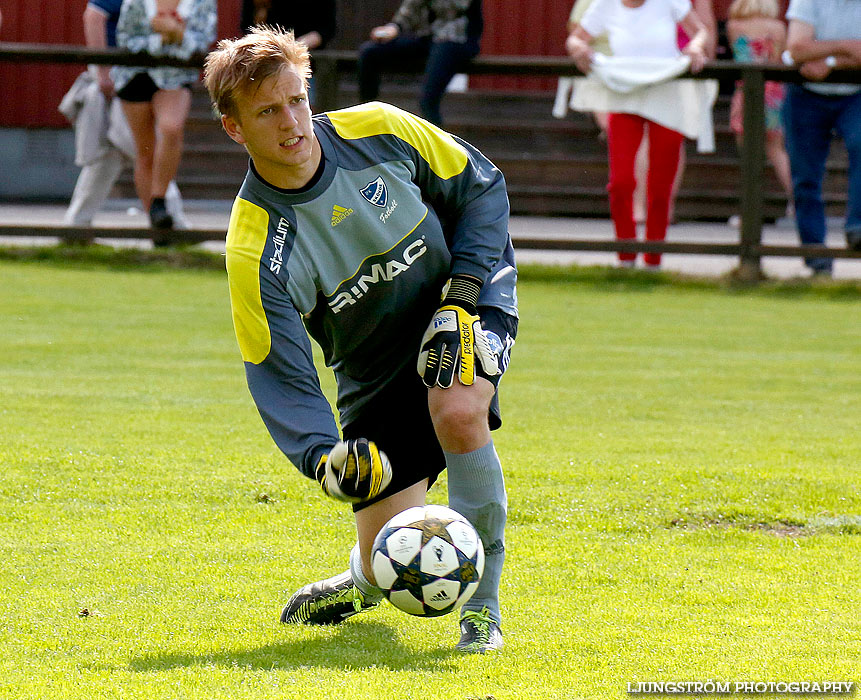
(705, 11)
(102, 135)
(823, 34)
(156, 101)
(312, 23)
(757, 35)
(442, 35)
(601, 44)
(408, 197)
(640, 29)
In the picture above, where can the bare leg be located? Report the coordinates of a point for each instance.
(641, 175)
(459, 415)
(779, 159)
(170, 108)
(677, 183)
(370, 520)
(142, 124)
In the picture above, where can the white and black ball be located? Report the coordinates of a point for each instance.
(428, 560)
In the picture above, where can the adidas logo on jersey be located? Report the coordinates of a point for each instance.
(339, 214)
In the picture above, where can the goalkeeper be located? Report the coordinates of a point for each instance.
(385, 239)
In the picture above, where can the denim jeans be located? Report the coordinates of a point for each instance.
(809, 120)
(440, 60)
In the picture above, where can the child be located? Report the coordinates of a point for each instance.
(757, 35)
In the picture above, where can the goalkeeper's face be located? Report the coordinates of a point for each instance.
(273, 121)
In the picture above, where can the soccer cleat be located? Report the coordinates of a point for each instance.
(479, 633)
(326, 602)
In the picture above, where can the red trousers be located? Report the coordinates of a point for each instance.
(624, 135)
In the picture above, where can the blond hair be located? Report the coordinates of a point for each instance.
(235, 64)
(743, 9)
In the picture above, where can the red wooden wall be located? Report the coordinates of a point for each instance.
(30, 92)
(523, 28)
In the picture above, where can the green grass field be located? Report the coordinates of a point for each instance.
(684, 470)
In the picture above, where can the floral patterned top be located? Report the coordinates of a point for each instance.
(756, 50)
(135, 34)
(458, 21)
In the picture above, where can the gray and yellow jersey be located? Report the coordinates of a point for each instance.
(357, 260)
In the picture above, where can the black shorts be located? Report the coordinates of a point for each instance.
(140, 88)
(399, 422)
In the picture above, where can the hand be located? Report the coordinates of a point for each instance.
(354, 471)
(853, 49)
(385, 33)
(171, 27)
(261, 11)
(455, 338)
(312, 39)
(697, 55)
(581, 52)
(815, 70)
(106, 85)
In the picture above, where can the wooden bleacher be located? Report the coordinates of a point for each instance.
(552, 166)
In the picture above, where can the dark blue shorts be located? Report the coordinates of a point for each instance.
(399, 422)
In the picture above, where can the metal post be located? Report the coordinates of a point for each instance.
(752, 165)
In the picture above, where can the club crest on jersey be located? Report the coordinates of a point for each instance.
(376, 192)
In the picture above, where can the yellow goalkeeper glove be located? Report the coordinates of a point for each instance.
(455, 339)
(354, 471)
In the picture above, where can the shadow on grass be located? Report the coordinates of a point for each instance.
(354, 646)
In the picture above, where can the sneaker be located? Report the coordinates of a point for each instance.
(161, 221)
(326, 602)
(158, 216)
(853, 239)
(479, 633)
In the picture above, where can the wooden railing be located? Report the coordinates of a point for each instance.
(331, 66)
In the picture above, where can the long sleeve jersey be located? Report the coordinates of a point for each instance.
(357, 261)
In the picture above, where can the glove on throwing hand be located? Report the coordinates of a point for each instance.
(354, 471)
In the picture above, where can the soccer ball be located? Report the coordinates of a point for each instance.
(428, 560)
